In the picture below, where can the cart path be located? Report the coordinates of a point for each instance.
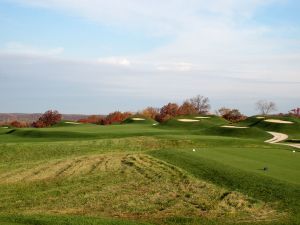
(278, 137)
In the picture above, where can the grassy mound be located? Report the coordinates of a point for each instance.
(138, 119)
(194, 122)
(49, 134)
(251, 132)
(293, 129)
(65, 123)
(122, 185)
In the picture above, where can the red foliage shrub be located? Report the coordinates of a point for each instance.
(92, 119)
(48, 119)
(19, 124)
(39, 124)
(115, 117)
(232, 115)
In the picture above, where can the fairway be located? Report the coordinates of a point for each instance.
(142, 174)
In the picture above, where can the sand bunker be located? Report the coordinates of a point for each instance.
(234, 127)
(72, 123)
(260, 117)
(202, 117)
(5, 127)
(155, 124)
(188, 120)
(278, 121)
(137, 119)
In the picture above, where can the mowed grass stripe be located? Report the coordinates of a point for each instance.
(265, 188)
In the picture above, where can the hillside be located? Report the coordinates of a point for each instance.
(190, 170)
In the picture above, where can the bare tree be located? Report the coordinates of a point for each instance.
(201, 104)
(265, 107)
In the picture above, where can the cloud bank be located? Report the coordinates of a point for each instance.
(215, 48)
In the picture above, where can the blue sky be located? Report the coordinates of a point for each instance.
(95, 56)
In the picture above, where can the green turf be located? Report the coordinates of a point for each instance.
(201, 123)
(144, 120)
(145, 174)
(291, 129)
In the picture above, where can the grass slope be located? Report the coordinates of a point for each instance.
(138, 119)
(238, 177)
(293, 130)
(203, 123)
(251, 132)
(141, 172)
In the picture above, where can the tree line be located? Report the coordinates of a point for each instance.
(198, 105)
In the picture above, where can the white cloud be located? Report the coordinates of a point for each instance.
(213, 50)
(179, 66)
(114, 61)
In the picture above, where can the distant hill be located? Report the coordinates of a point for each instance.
(30, 117)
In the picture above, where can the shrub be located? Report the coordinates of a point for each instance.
(49, 118)
(92, 119)
(150, 112)
(19, 124)
(232, 115)
(115, 117)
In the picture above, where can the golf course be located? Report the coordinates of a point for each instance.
(187, 170)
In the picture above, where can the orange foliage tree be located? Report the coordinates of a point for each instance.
(150, 112)
(167, 111)
(187, 108)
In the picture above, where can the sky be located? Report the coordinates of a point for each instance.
(98, 56)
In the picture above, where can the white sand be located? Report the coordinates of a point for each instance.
(278, 121)
(188, 120)
(260, 117)
(234, 127)
(154, 124)
(137, 119)
(202, 117)
(72, 123)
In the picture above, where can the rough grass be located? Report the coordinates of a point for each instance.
(64, 220)
(124, 185)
